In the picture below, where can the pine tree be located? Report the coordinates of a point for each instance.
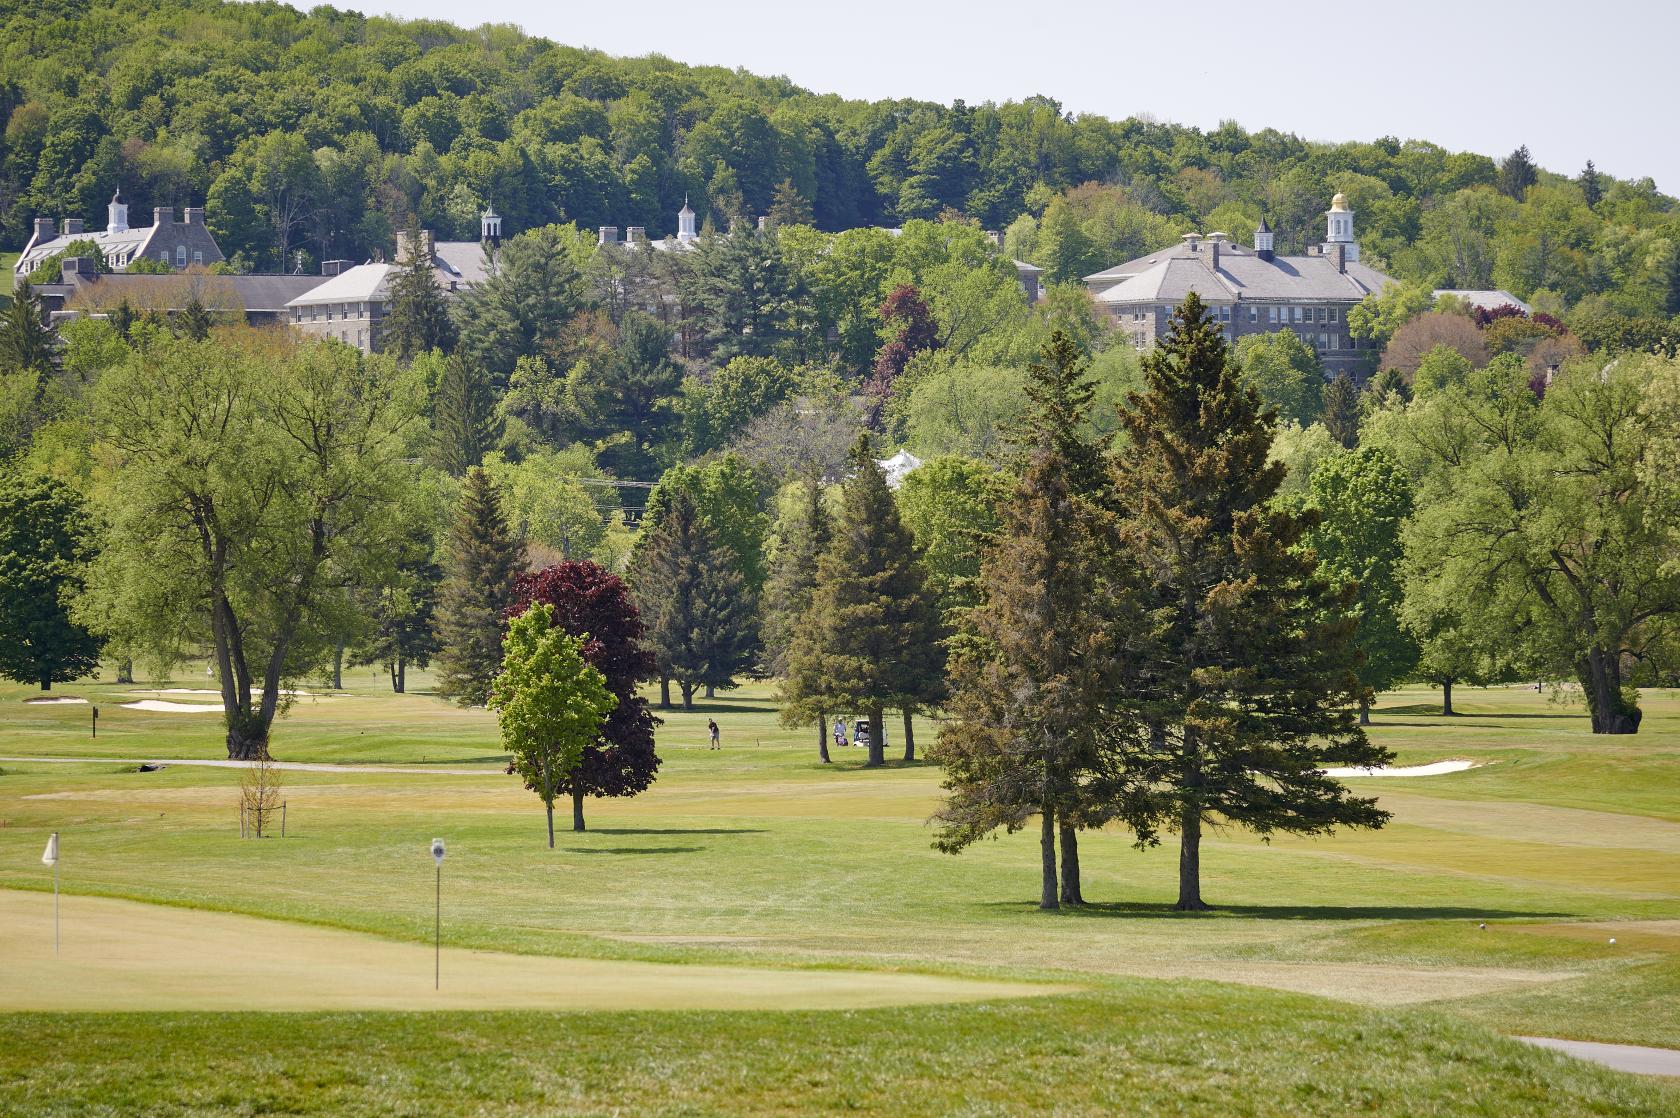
(25, 341)
(1341, 410)
(805, 538)
(1592, 185)
(1039, 658)
(699, 623)
(1240, 688)
(1517, 173)
(788, 206)
(481, 562)
(465, 423)
(740, 290)
(872, 634)
(193, 321)
(418, 321)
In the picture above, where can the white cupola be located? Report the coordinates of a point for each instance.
(1339, 228)
(116, 214)
(490, 226)
(685, 223)
(1263, 240)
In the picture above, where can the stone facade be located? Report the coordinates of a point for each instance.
(182, 244)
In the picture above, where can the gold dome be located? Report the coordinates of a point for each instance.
(1339, 202)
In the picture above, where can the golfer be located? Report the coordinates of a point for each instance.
(713, 727)
(839, 733)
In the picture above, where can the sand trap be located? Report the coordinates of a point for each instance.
(164, 706)
(55, 701)
(1435, 768)
(496, 769)
(122, 955)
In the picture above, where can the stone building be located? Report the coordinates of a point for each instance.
(1250, 290)
(351, 303)
(180, 244)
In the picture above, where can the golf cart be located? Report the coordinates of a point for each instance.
(860, 732)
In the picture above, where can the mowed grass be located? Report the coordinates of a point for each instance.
(759, 855)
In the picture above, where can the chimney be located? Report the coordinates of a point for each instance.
(426, 243)
(763, 224)
(996, 237)
(1192, 240)
(44, 230)
(402, 247)
(1338, 252)
(636, 233)
(193, 215)
(163, 215)
(78, 266)
(72, 227)
(609, 235)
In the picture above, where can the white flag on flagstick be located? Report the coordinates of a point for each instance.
(50, 856)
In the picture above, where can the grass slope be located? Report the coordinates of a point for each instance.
(759, 855)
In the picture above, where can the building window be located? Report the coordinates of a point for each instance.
(1271, 315)
(180, 256)
(1253, 313)
(1297, 314)
(1334, 314)
(198, 257)
(360, 335)
(1323, 341)
(1335, 341)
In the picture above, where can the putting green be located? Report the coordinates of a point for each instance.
(123, 955)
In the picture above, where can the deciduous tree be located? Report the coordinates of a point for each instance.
(45, 544)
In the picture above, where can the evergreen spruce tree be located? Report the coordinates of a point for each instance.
(699, 623)
(1039, 658)
(1592, 185)
(25, 341)
(418, 321)
(193, 321)
(1240, 688)
(465, 423)
(481, 562)
(1517, 173)
(872, 634)
(1341, 410)
(805, 538)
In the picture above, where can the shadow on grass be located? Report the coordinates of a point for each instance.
(1143, 910)
(678, 830)
(635, 849)
(714, 706)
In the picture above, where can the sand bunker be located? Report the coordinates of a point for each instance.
(164, 706)
(55, 701)
(122, 955)
(204, 691)
(1435, 768)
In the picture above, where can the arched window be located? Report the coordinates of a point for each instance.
(180, 256)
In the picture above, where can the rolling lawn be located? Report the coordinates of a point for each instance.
(1337, 975)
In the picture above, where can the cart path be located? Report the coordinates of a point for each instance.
(494, 769)
(1623, 1057)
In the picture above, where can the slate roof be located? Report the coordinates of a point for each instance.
(1486, 300)
(361, 284)
(1169, 275)
(255, 294)
(119, 248)
(459, 262)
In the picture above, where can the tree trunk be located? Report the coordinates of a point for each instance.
(710, 692)
(909, 737)
(551, 824)
(877, 748)
(46, 685)
(399, 675)
(577, 809)
(1600, 674)
(687, 693)
(1190, 860)
(664, 693)
(1364, 710)
(822, 740)
(1070, 866)
(1446, 698)
(247, 742)
(1047, 897)
(338, 667)
(125, 671)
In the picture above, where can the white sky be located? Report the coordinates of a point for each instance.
(1575, 80)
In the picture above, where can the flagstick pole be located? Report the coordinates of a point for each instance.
(437, 932)
(55, 908)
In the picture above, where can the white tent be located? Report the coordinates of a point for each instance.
(897, 467)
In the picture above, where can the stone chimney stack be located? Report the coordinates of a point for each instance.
(72, 227)
(402, 247)
(1339, 253)
(1216, 241)
(635, 233)
(163, 215)
(1193, 240)
(426, 243)
(44, 230)
(609, 235)
(763, 223)
(193, 215)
